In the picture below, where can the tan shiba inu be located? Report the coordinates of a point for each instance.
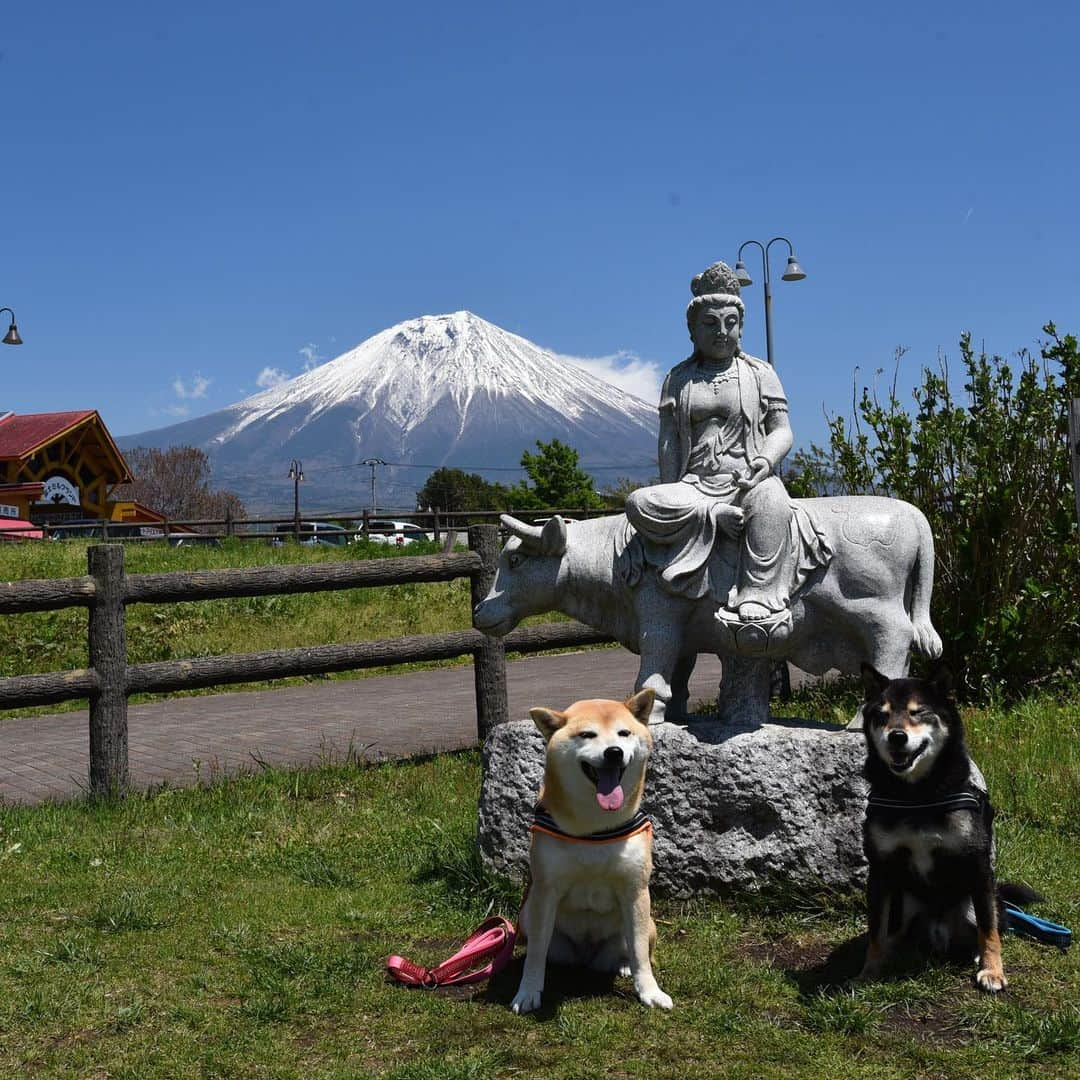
(590, 858)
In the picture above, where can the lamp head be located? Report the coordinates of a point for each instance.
(742, 275)
(12, 335)
(794, 271)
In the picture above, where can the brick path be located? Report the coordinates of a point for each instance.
(177, 740)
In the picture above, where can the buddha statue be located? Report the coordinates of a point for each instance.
(723, 432)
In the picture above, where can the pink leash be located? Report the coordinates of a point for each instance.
(486, 952)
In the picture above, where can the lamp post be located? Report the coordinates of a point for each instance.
(12, 335)
(779, 675)
(794, 272)
(296, 474)
(373, 463)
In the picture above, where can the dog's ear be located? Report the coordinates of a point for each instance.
(548, 721)
(873, 681)
(941, 678)
(640, 705)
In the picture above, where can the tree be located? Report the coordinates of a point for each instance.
(615, 493)
(557, 481)
(176, 483)
(989, 466)
(456, 491)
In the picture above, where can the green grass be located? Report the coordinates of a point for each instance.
(56, 640)
(240, 930)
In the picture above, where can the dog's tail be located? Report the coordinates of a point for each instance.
(926, 639)
(1013, 892)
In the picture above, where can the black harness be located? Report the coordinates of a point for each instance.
(543, 822)
(892, 810)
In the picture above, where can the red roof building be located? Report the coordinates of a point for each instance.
(62, 466)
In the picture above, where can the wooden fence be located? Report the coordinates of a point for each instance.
(107, 590)
(438, 523)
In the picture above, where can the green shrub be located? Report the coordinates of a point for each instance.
(989, 466)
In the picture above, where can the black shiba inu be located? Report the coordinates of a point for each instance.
(928, 830)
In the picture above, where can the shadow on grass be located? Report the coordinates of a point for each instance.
(561, 984)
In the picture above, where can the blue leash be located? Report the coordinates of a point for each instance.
(1049, 933)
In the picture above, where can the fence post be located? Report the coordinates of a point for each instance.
(489, 660)
(437, 532)
(365, 524)
(229, 526)
(108, 657)
(1074, 451)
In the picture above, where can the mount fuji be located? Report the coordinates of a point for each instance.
(438, 390)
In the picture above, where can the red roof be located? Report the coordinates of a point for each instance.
(20, 529)
(21, 434)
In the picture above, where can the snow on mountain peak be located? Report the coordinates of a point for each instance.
(410, 369)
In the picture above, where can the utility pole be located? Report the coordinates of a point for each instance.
(296, 474)
(373, 463)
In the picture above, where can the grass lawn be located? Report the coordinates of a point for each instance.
(241, 929)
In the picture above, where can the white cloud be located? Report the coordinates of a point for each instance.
(197, 389)
(271, 376)
(312, 356)
(175, 410)
(628, 372)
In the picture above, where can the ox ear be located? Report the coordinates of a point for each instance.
(640, 705)
(548, 721)
(553, 537)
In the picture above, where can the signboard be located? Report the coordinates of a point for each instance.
(59, 489)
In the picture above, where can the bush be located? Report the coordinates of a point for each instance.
(990, 469)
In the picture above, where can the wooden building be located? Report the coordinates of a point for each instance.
(62, 466)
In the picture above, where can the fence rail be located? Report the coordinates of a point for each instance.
(110, 680)
(364, 523)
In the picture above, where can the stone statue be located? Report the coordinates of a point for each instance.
(717, 558)
(723, 432)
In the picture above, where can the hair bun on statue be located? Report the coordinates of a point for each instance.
(718, 280)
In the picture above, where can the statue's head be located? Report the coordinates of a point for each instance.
(715, 315)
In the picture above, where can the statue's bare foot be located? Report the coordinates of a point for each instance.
(752, 611)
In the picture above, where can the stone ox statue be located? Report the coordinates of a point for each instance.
(716, 557)
(870, 602)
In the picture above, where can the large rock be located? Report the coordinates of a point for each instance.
(774, 807)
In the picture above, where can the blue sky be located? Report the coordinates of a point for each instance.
(193, 194)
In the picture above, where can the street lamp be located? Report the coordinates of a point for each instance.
(373, 463)
(779, 675)
(12, 335)
(296, 474)
(793, 272)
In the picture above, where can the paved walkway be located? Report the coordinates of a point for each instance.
(180, 740)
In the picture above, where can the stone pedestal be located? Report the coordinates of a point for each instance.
(775, 807)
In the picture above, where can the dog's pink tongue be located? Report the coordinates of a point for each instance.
(609, 792)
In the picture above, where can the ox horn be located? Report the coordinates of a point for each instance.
(530, 534)
(549, 540)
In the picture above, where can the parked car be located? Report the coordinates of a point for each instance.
(313, 533)
(193, 540)
(396, 532)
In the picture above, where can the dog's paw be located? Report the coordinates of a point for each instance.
(991, 981)
(655, 998)
(624, 971)
(525, 1000)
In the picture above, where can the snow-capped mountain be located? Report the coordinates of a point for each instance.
(437, 390)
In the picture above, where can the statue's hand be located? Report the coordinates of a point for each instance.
(758, 471)
(730, 519)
